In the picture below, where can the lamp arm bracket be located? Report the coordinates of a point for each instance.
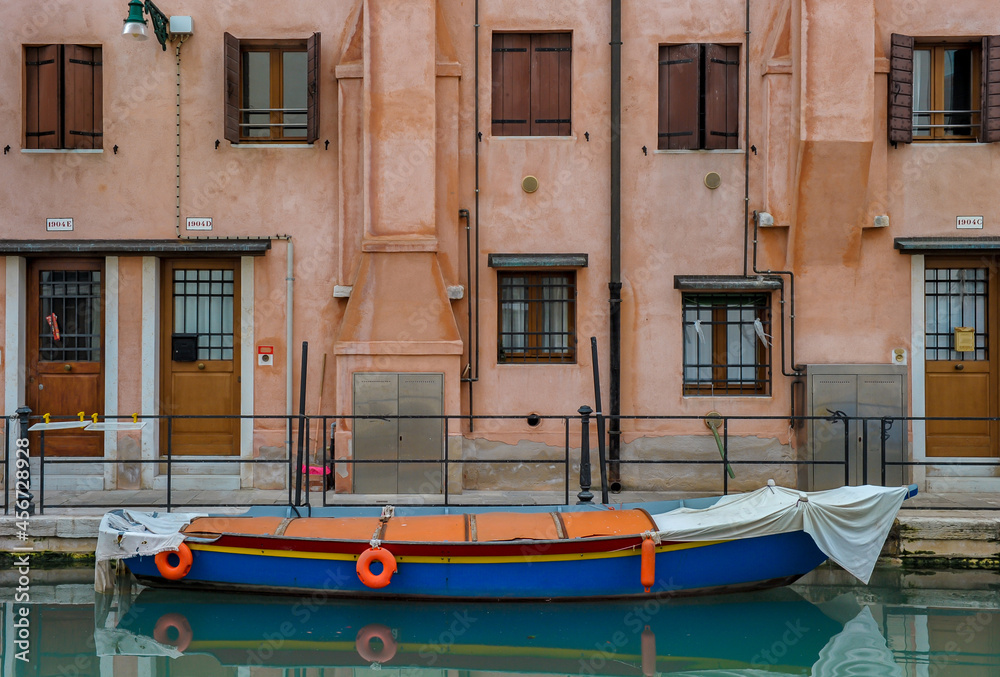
(160, 23)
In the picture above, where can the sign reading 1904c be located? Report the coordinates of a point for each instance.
(968, 222)
(58, 224)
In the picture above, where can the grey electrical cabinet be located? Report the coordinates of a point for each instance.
(382, 433)
(856, 391)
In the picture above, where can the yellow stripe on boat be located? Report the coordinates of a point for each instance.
(509, 559)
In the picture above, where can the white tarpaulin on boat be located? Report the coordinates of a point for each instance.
(849, 524)
(125, 533)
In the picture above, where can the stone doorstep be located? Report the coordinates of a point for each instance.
(967, 535)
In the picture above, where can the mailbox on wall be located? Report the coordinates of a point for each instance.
(965, 339)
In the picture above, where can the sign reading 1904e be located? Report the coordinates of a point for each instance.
(968, 222)
(58, 224)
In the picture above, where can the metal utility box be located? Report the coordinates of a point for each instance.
(384, 437)
(857, 390)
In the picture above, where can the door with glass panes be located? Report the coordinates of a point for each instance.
(960, 324)
(65, 350)
(200, 358)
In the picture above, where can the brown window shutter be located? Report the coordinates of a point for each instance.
(901, 89)
(722, 85)
(312, 88)
(511, 84)
(83, 98)
(43, 102)
(551, 84)
(232, 93)
(681, 66)
(989, 131)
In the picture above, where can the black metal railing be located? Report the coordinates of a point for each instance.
(853, 460)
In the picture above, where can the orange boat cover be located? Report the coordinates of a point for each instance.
(485, 527)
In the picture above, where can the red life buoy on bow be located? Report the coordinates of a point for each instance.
(382, 633)
(369, 557)
(183, 566)
(179, 624)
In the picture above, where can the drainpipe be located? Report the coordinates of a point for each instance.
(471, 372)
(615, 285)
(467, 374)
(797, 370)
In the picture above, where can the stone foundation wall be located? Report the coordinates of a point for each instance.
(542, 467)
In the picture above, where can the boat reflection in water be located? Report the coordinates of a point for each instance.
(777, 631)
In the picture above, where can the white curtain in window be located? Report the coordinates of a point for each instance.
(555, 315)
(698, 345)
(513, 313)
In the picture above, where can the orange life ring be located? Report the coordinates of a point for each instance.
(178, 623)
(365, 561)
(647, 573)
(363, 643)
(184, 560)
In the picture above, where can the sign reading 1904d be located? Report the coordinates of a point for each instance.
(968, 222)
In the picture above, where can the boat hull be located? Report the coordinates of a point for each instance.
(515, 571)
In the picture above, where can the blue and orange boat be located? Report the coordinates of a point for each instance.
(761, 539)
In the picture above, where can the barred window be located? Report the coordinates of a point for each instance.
(537, 316)
(727, 344)
(955, 297)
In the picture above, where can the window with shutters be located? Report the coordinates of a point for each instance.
(272, 90)
(63, 97)
(727, 344)
(944, 91)
(699, 97)
(537, 316)
(532, 84)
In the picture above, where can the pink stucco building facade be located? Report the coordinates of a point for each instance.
(798, 211)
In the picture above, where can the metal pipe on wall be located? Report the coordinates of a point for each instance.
(473, 366)
(615, 284)
(797, 369)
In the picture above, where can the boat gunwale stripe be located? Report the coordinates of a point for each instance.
(443, 559)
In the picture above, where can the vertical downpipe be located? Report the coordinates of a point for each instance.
(615, 285)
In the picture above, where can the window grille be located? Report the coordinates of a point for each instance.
(726, 344)
(537, 317)
(955, 297)
(71, 300)
(203, 305)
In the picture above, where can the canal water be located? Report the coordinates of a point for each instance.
(919, 624)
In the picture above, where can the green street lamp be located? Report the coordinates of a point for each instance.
(135, 24)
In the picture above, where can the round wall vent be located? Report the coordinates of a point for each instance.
(529, 184)
(713, 180)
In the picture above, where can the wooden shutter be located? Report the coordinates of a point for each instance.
(901, 89)
(551, 84)
(312, 88)
(511, 84)
(83, 97)
(43, 103)
(232, 93)
(722, 87)
(989, 131)
(680, 78)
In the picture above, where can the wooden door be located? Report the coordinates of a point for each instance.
(961, 293)
(200, 302)
(65, 350)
